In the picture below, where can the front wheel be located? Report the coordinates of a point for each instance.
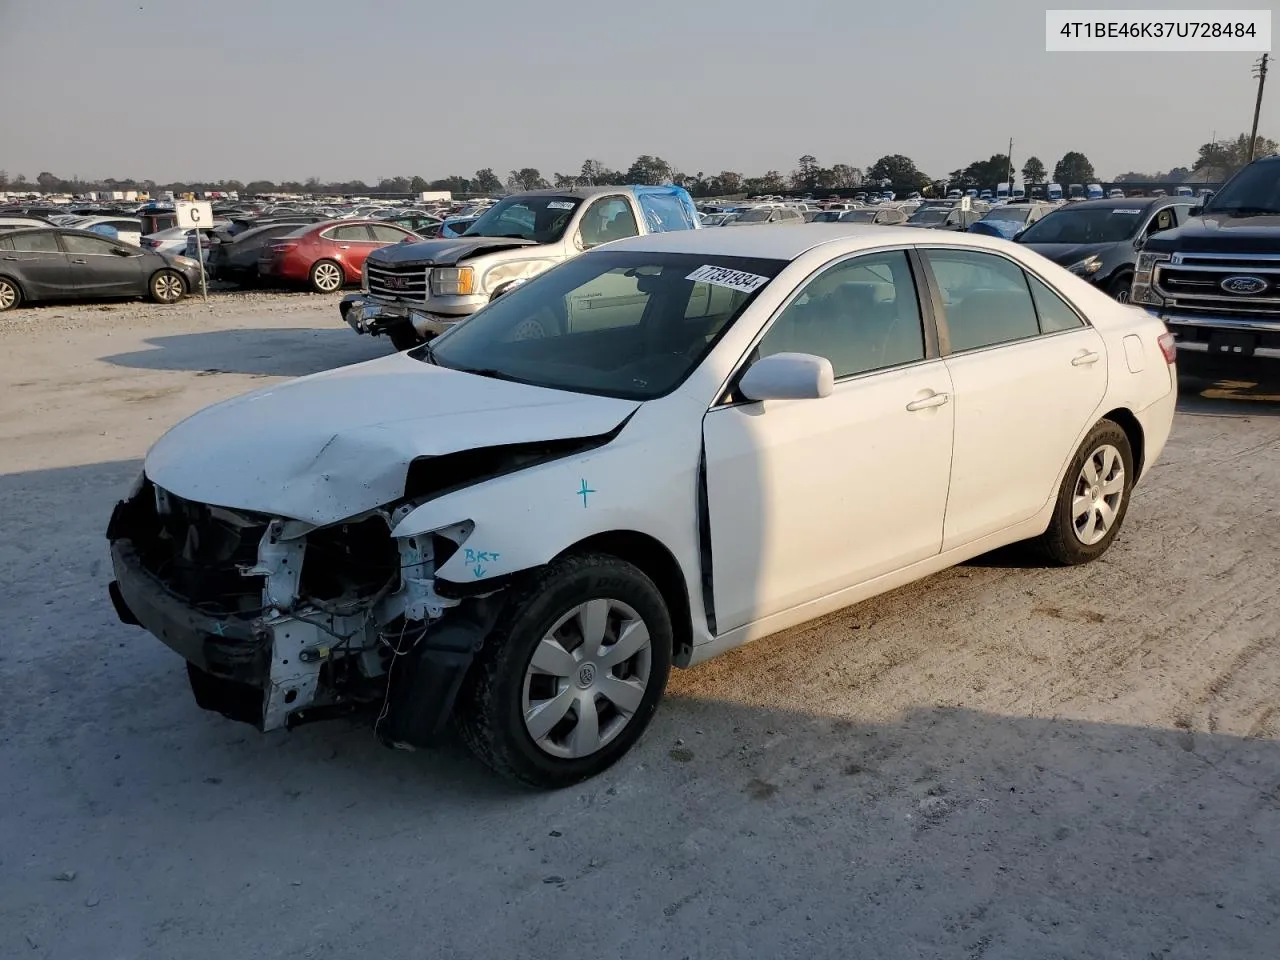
(326, 277)
(1093, 498)
(1120, 288)
(570, 678)
(167, 286)
(403, 336)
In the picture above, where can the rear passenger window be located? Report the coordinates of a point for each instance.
(1055, 315)
(43, 242)
(861, 314)
(386, 233)
(351, 233)
(986, 299)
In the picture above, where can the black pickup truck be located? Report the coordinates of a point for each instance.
(1216, 278)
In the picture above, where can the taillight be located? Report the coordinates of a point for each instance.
(1168, 347)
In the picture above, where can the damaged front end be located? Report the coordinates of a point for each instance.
(282, 622)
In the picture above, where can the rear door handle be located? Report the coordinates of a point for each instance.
(79, 261)
(1090, 356)
(937, 400)
(345, 246)
(14, 259)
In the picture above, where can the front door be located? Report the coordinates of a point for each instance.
(38, 262)
(98, 270)
(1029, 375)
(808, 497)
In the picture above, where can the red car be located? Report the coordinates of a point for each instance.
(327, 255)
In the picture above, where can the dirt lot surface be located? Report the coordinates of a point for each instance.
(999, 762)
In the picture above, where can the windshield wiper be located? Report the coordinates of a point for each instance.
(490, 372)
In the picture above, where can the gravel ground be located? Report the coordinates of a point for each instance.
(998, 762)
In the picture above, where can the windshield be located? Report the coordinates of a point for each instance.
(1092, 225)
(1254, 190)
(930, 215)
(542, 218)
(858, 216)
(1014, 214)
(755, 216)
(627, 324)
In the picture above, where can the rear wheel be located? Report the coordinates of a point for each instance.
(570, 678)
(1093, 499)
(167, 286)
(10, 295)
(326, 277)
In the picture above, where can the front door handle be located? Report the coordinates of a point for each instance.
(345, 246)
(79, 261)
(936, 400)
(14, 259)
(1089, 356)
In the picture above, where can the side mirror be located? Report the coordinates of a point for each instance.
(788, 376)
(1139, 243)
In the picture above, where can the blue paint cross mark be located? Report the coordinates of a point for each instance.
(217, 628)
(583, 493)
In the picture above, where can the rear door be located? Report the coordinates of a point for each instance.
(350, 244)
(1029, 375)
(38, 264)
(100, 268)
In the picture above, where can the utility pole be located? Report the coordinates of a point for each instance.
(1260, 71)
(1011, 168)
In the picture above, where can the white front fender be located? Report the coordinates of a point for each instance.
(525, 519)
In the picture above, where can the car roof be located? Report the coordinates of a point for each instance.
(1128, 203)
(788, 242)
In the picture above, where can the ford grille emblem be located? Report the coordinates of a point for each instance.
(1245, 285)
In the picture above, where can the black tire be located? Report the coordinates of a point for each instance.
(10, 294)
(167, 286)
(321, 274)
(1119, 288)
(490, 707)
(403, 336)
(1061, 544)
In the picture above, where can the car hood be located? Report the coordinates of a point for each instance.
(1069, 253)
(445, 252)
(1219, 233)
(335, 444)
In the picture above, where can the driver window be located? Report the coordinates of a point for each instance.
(861, 314)
(1161, 221)
(607, 220)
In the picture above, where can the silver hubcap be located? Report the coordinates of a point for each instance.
(168, 288)
(1099, 489)
(586, 678)
(328, 277)
(7, 296)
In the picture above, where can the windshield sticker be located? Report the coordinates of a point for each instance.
(724, 277)
(560, 205)
(1127, 211)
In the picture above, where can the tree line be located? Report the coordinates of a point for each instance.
(809, 175)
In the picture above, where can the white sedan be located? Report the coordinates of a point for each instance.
(653, 453)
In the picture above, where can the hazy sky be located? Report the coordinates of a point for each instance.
(287, 89)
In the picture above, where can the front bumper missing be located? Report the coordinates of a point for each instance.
(279, 657)
(276, 670)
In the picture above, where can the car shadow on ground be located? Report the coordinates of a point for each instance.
(135, 819)
(281, 352)
(1228, 385)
